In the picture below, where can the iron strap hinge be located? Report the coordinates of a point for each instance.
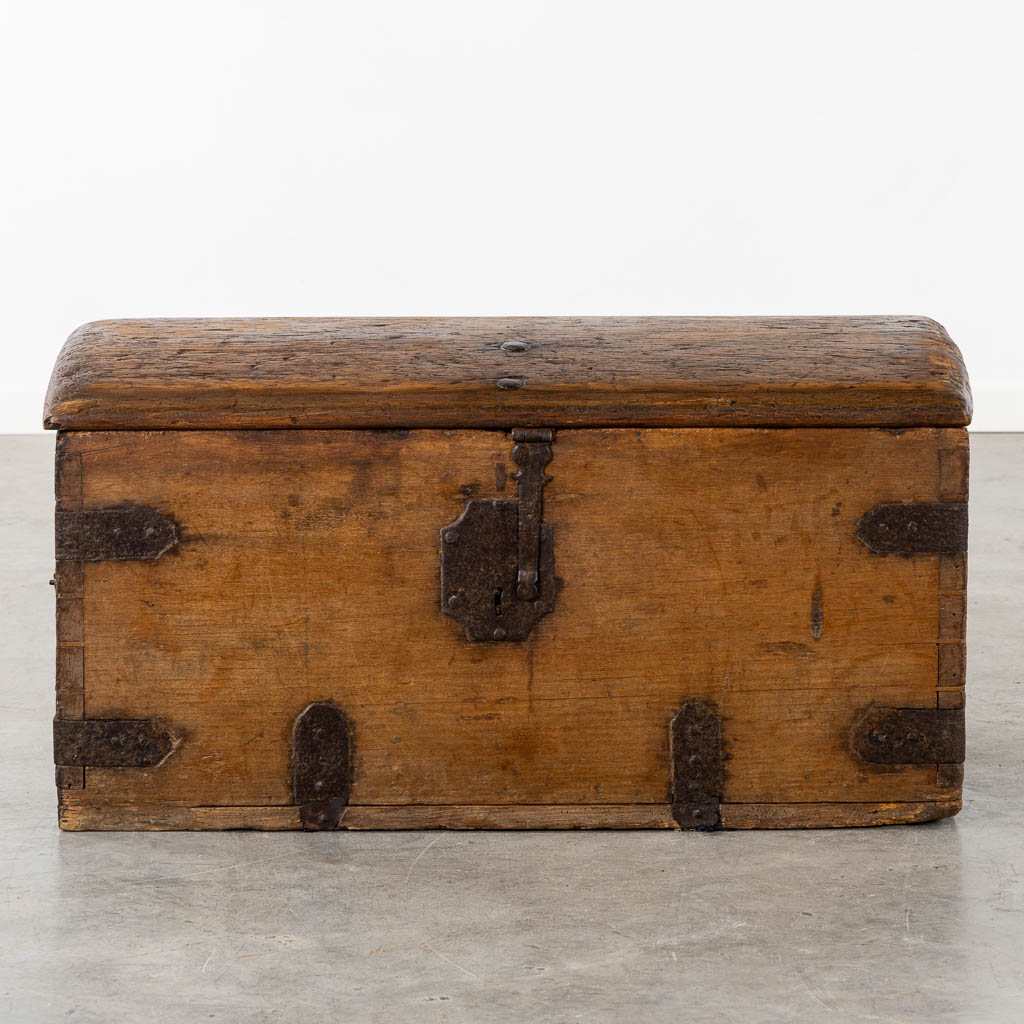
(531, 453)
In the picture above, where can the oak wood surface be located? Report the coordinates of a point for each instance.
(713, 564)
(505, 372)
(79, 814)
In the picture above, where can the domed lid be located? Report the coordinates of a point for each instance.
(487, 372)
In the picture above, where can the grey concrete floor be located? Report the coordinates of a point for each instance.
(919, 923)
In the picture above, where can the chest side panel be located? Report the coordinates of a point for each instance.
(720, 565)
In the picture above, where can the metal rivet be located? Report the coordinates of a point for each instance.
(499, 634)
(453, 598)
(451, 536)
(510, 383)
(515, 346)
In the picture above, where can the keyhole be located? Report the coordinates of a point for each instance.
(497, 602)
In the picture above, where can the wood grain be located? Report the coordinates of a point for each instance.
(572, 372)
(838, 815)
(77, 815)
(721, 565)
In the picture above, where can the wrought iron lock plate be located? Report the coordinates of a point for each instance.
(497, 558)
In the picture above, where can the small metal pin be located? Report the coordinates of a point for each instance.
(510, 383)
(515, 346)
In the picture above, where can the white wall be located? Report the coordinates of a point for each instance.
(215, 158)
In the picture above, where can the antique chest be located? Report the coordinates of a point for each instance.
(509, 573)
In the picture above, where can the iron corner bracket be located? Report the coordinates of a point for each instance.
(321, 765)
(915, 528)
(111, 742)
(908, 736)
(698, 770)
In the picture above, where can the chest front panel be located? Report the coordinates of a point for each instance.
(705, 564)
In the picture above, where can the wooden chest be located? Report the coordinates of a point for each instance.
(509, 573)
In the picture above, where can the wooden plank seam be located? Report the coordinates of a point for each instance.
(69, 580)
